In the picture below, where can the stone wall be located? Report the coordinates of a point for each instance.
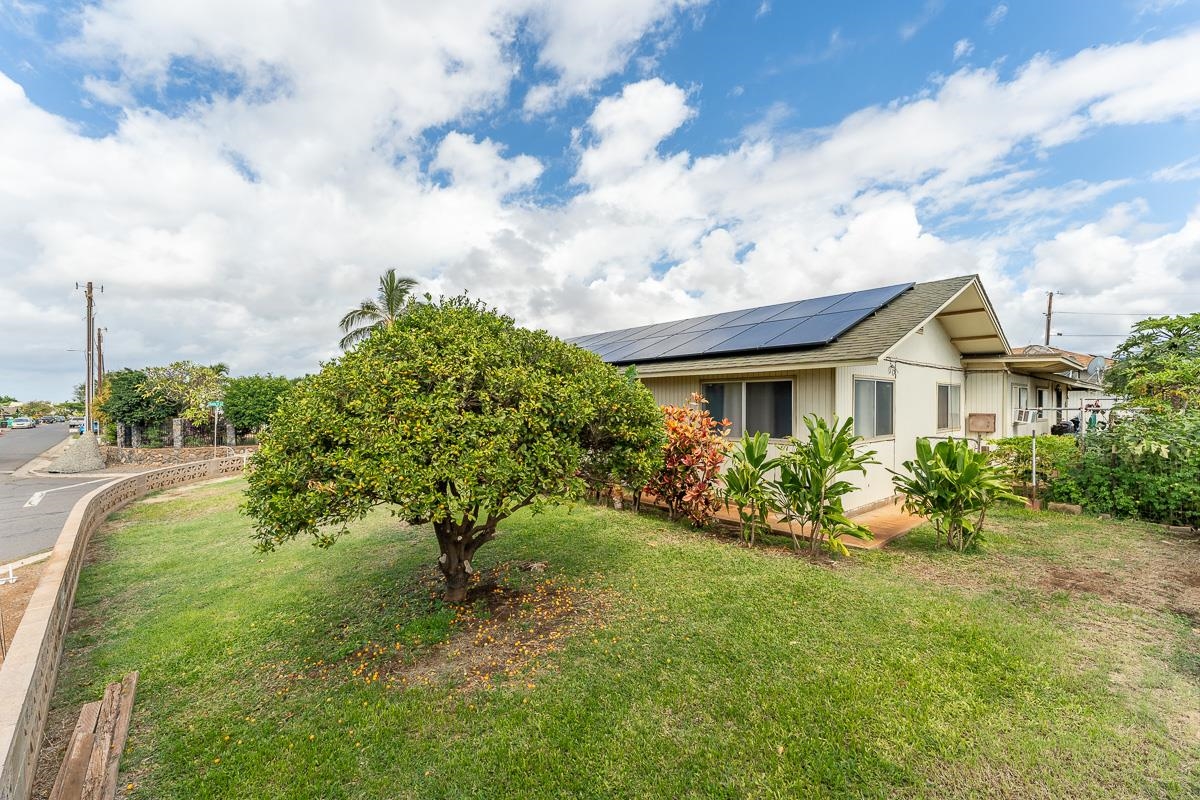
(165, 456)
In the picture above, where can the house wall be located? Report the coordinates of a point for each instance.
(921, 362)
(812, 390)
(987, 393)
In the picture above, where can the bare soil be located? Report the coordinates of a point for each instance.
(14, 597)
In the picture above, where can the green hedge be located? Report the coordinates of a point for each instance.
(1147, 467)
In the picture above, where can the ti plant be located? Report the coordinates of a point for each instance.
(748, 486)
(953, 487)
(811, 487)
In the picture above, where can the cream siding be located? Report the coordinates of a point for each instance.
(672, 391)
(987, 393)
(919, 364)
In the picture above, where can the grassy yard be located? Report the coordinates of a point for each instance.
(609, 655)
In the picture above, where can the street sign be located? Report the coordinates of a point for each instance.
(216, 404)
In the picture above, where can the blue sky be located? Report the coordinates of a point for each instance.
(237, 174)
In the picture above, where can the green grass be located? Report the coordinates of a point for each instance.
(697, 668)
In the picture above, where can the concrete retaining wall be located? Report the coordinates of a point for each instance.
(29, 672)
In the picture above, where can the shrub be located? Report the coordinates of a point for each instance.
(450, 414)
(953, 486)
(692, 455)
(810, 487)
(747, 485)
(1147, 466)
(1056, 456)
(251, 400)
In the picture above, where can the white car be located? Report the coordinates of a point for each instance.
(23, 422)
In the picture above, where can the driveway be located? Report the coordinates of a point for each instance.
(33, 509)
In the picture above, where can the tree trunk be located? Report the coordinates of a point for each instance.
(455, 561)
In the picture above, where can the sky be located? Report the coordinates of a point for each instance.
(237, 174)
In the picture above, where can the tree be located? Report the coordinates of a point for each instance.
(36, 408)
(7, 399)
(953, 487)
(624, 442)
(250, 400)
(691, 466)
(453, 415)
(811, 485)
(1158, 366)
(127, 401)
(78, 394)
(392, 299)
(188, 386)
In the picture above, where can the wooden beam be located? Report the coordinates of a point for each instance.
(973, 338)
(964, 311)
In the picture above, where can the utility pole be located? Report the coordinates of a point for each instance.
(1049, 314)
(100, 359)
(89, 385)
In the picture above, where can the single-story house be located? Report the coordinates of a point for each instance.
(906, 361)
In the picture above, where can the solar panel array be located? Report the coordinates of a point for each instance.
(792, 326)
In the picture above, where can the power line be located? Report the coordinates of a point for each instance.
(1114, 313)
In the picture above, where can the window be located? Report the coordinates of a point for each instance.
(1043, 400)
(754, 406)
(949, 407)
(873, 408)
(1020, 402)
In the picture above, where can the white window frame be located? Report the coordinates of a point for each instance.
(953, 410)
(854, 401)
(1020, 401)
(734, 431)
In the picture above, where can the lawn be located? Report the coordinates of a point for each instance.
(613, 655)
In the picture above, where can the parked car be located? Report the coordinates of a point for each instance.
(47, 420)
(24, 422)
(75, 424)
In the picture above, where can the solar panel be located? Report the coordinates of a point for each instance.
(704, 341)
(819, 329)
(803, 323)
(806, 308)
(868, 298)
(661, 346)
(754, 337)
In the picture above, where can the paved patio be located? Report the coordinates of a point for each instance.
(886, 522)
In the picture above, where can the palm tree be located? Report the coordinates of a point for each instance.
(362, 321)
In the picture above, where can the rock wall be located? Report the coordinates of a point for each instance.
(160, 456)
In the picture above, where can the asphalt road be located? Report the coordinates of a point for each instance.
(29, 525)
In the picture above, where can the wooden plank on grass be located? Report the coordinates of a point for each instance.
(120, 733)
(69, 783)
(106, 724)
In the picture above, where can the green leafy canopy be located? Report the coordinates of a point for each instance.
(451, 414)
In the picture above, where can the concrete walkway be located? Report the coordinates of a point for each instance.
(887, 522)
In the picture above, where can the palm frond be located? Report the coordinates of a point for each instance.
(355, 336)
(393, 293)
(368, 312)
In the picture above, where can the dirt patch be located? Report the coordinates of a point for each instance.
(14, 597)
(503, 631)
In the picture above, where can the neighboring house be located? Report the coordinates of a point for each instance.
(1087, 377)
(906, 361)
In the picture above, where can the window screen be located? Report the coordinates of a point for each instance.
(949, 407)
(873, 402)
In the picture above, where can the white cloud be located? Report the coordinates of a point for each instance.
(241, 228)
(963, 48)
(997, 15)
(1186, 170)
(929, 10)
